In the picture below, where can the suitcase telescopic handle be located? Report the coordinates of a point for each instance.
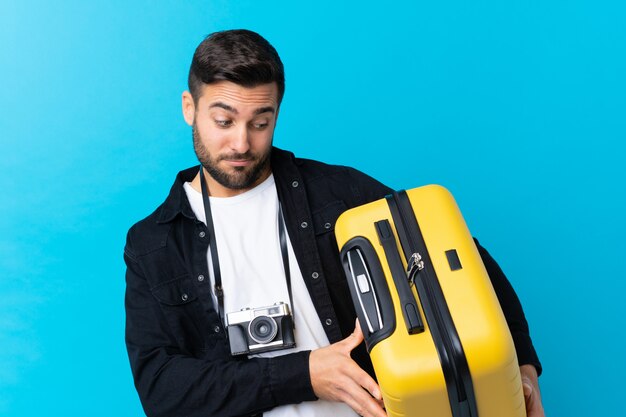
(410, 310)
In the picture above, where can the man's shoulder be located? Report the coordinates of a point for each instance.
(146, 235)
(149, 233)
(312, 169)
(325, 181)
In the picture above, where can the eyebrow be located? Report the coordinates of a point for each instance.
(233, 110)
(266, 109)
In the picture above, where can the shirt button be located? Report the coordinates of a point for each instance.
(315, 275)
(184, 297)
(201, 234)
(327, 225)
(294, 184)
(216, 329)
(329, 322)
(304, 225)
(200, 278)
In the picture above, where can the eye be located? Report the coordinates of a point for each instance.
(260, 125)
(223, 123)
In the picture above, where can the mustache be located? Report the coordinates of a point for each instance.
(237, 157)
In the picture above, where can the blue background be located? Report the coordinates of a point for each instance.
(518, 107)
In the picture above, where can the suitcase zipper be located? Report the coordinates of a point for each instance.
(414, 265)
(421, 273)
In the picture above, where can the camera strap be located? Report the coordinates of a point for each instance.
(282, 236)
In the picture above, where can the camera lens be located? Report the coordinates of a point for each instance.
(262, 329)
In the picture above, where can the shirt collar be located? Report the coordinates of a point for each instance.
(176, 202)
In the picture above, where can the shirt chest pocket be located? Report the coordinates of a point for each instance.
(179, 303)
(178, 292)
(324, 218)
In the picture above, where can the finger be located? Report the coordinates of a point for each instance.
(528, 389)
(361, 402)
(358, 399)
(381, 403)
(365, 381)
(529, 398)
(355, 339)
(357, 334)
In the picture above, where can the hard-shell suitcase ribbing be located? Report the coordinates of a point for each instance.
(433, 326)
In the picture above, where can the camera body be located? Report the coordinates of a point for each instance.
(262, 329)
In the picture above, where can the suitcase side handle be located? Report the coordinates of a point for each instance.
(369, 291)
(362, 281)
(410, 311)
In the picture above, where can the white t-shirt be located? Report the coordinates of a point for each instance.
(251, 265)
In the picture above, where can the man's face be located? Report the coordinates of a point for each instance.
(233, 127)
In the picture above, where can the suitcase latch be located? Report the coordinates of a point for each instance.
(414, 265)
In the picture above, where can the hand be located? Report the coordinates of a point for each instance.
(530, 383)
(336, 377)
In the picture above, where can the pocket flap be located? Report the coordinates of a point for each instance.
(176, 292)
(324, 219)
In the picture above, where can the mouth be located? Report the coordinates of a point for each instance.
(239, 162)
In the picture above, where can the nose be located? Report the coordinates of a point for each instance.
(240, 141)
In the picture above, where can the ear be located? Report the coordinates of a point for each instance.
(189, 108)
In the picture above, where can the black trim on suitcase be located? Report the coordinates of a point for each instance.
(453, 361)
(374, 302)
(408, 303)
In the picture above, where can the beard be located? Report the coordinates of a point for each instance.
(243, 177)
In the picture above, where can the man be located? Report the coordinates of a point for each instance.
(184, 279)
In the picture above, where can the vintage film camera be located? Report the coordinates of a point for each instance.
(256, 330)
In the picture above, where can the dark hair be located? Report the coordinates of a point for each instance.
(240, 56)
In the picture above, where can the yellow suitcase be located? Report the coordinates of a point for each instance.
(433, 325)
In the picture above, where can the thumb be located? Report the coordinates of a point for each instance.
(528, 389)
(355, 338)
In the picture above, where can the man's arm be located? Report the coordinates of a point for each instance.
(530, 367)
(513, 312)
(171, 382)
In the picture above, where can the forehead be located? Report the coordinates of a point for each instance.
(239, 97)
